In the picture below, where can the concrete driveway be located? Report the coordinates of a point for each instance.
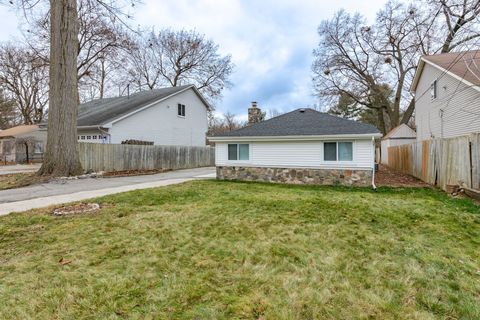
(57, 192)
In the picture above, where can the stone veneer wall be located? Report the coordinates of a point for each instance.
(297, 175)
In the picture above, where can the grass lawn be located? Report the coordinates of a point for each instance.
(226, 250)
(18, 180)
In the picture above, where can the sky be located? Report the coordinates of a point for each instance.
(270, 41)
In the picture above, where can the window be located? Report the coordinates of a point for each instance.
(82, 137)
(94, 137)
(330, 151)
(181, 110)
(89, 137)
(433, 89)
(38, 147)
(239, 152)
(343, 151)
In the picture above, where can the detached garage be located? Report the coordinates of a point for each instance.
(402, 134)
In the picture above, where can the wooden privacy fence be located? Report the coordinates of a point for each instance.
(118, 157)
(443, 162)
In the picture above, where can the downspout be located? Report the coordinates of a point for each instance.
(106, 133)
(373, 167)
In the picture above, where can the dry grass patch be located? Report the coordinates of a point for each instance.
(226, 250)
(18, 180)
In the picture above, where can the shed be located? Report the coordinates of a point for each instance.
(399, 135)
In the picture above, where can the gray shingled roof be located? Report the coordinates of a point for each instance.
(101, 111)
(303, 122)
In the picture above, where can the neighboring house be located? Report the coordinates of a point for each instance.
(302, 146)
(399, 135)
(167, 116)
(447, 95)
(17, 141)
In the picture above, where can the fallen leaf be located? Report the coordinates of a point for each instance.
(64, 262)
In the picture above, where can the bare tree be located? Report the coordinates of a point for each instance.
(24, 80)
(374, 65)
(25, 145)
(461, 19)
(224, 123)
(176, 58)
(8, 112)
(101, 39)
(61, 156)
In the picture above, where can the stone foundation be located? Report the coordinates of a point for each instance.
(297, 175)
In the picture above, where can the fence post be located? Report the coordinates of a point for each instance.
(475, 159)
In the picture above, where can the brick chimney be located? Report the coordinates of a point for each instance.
(254, 114)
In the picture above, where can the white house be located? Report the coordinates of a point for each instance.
(447, 95)
(168, 116)
(399, 135)
(302, 146)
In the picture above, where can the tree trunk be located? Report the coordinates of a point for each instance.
(409, 112)
(61, 155)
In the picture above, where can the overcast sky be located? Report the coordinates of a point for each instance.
(271, 42)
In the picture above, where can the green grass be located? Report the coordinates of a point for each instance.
(226, 250)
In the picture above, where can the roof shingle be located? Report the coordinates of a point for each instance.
(465, 64)
(303, 122)
(100, 111)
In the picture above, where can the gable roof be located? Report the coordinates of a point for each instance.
(303, 122)
(18, 130)
(101, 111)
(464, 66)
(396, 132)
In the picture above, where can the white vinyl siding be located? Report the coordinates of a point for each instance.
(161, 123)
(300, 154)
(454, 112)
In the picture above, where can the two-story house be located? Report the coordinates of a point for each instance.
(447, 95)
(167, 116)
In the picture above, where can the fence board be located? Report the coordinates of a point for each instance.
(440, 161)
(119, 157)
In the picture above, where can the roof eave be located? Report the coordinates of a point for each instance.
(294, 137)
(418, 73)
(110, 122)
(421, 65)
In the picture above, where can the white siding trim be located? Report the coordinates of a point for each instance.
(297, 138)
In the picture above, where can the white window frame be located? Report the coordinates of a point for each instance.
(238, 152)
(336, 149)
(183, 111)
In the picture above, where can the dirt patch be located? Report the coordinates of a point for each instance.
(386, 177)
(125, 173)
(76, 209)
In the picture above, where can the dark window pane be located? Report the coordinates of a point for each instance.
(243, 152)
(345, 151)
(179, 109)
(232, 152)
(330, 151)
(183, 110)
